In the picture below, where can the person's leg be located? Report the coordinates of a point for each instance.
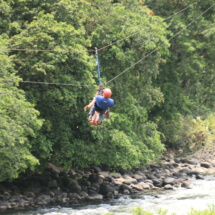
(95, 118)
(101, 116)
(91, 112)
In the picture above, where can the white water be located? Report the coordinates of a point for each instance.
(179, 201)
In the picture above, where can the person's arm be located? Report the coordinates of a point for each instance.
(90, 104)
(94, 100)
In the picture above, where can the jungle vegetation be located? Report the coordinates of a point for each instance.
(164, 101)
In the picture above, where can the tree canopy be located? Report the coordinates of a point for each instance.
(169, 83)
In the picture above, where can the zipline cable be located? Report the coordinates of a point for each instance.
(99, 49)
(160, 45)
(50, 83)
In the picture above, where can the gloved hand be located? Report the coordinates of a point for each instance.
(87, 107)
(100, 87)
(107, 114)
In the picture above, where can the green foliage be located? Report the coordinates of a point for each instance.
(199, 132)
(60, 106)
(209, 211)
(128, 139)
(155, 100)
(189, 133)
(140, 211)
(187, 76)
(18, 121)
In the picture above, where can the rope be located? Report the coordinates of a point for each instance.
(46, 50)
(159, 46)
(104, 47)
(98, 67)
(49, 83)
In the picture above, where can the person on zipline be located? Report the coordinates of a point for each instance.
(99, 106)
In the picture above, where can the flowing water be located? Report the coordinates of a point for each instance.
(180, 201)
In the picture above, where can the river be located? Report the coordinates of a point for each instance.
(178, 201)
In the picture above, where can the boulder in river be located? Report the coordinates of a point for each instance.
(169, 180)
(205, 165)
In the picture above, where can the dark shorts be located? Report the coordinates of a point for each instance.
(99, 110)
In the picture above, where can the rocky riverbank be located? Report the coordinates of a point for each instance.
(57, 187)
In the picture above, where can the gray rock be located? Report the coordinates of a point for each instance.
(154, 166)
(124, 187)
(185, 170)
(62, 197)
(52, 183)
(1, 197)
(158, 182)
(95, 197)
(4, 205)
(168, 187)
(184, 160)
(52, 194)
(179, 174)
(192, 161)
(116, 193)
(148, 181)
(16, 198)
(83, 194)
(104, 174)
(92, 191)
(137, 187)
(169, 180)
(138, 172)
(145, 185)
(73, 201)
(29, 194)
(56, 190)
(175, 165)
(7, 195)
(54, 168)
(193, 173)
(199, 177)
(74, 186)
(126, 191)
(44, 198)
(109, 195)
(169, 166)
(177, 160)
(138, 177)
(97, 169)
(95, 187)
(84, 182)
(129, 180)
(75, 196)
(116, 175)
(205, 165)
(150, 176)
(95, 178)
(106, 188)
(186, 184)
(166, 171)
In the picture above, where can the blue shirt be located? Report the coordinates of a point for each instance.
(104, 103)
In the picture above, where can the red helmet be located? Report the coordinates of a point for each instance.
(107, 93)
